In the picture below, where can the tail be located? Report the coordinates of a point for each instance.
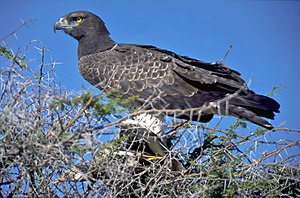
(252, 107)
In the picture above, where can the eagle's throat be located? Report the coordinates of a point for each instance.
(91, 44)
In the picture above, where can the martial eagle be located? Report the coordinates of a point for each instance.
(161, 79)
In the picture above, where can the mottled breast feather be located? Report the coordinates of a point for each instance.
(154, 76)
(160, 79)
(134, 71)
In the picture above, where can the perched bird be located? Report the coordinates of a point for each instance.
(160, 79)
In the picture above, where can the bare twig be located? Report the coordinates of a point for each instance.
(14, 31)
(226, 54)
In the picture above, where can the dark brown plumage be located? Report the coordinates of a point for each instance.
(161, 79)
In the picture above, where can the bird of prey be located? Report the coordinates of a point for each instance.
(160, 79)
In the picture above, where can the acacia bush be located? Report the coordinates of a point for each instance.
(54, 143)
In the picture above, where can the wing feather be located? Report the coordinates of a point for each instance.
(166, 80)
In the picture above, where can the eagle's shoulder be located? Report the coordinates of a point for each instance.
(214, 66)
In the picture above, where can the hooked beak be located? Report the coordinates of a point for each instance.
(60, 24)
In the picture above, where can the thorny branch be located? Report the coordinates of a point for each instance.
(78, 160)
(171, 111)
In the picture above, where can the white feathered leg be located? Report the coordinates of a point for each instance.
(153, 135)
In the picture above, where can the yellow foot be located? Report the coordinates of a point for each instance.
(152, 157)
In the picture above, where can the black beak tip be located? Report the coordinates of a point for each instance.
(56, 26)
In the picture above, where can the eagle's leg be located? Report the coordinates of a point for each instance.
(154, 129)
(150, 129)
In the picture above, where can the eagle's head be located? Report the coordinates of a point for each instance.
(80, 24)
(88, 29)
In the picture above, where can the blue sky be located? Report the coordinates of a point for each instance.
(265, 37)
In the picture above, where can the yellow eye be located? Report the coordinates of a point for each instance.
(78, 19)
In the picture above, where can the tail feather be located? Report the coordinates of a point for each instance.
(246, 114)
(252, 107)
(261, 112)
(258, 103)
